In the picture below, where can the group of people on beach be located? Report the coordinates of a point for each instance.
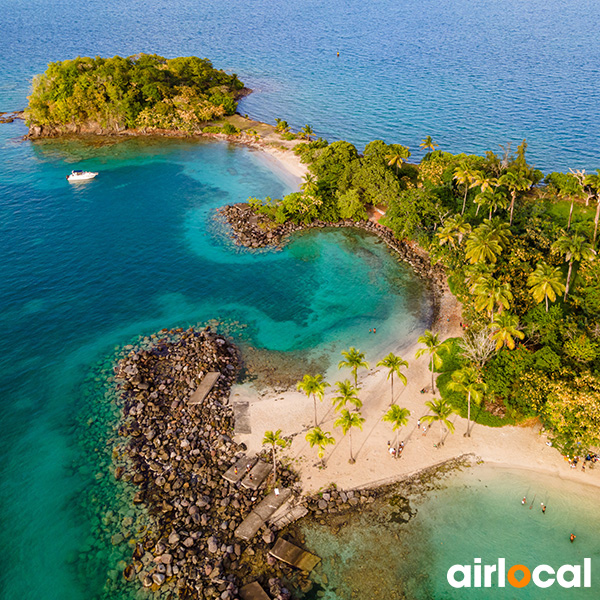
(592, 459)
(393, 452)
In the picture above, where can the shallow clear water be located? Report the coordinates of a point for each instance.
(475, 514)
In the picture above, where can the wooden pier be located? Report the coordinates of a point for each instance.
(259, 472)
(259, 515)
(293, 555)
(239, 469)
(206, 385)
(253, 591)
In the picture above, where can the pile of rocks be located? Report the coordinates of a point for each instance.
(176, 455)
(334, 501)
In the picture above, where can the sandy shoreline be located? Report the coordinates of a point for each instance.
(517, 447)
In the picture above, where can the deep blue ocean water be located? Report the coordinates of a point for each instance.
(87, 268)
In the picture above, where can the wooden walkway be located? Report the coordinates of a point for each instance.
(253, 591)
(293, 555)
(238, 470)
(206, 385)
(259, 472)
(259, 515)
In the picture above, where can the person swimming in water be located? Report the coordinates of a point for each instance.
(572, 537)
(524, 501)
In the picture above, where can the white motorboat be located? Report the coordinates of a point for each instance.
(81, 175)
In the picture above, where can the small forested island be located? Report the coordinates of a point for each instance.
(141, 92)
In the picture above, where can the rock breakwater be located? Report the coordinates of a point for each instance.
(176, 454)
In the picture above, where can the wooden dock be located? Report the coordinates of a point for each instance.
(206, 385)
(259, 515)
(238, 470)
(259, 472)
(253, 591)
(293, 555)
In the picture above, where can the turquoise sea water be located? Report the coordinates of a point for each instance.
(474, 514)
(86, 268)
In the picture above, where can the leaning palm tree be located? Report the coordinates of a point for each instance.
(505, 328)
(592, 184)
(398, 417)
(307, 132)
(354, 359)
(441, 412)
(394, 363)
(576, 249)
(428, 144)
(464, 175)
(274, 440)
(281, 126)
(317, 437)
(346, 393)
(313, 385)
(433, 347)
(545, 283)
(467, 381)
(515, 182)
(347, 421)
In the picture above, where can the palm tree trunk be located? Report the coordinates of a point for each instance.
(462, 212)
(469, 415)
(570, 214)
(274, 467)
(432, 381)
(315, 402)
(392, 380)
(546, 302)
(350, 439)
(596, 218)
(355, 369)
(441, 434)
(568, 279)
(512, 206)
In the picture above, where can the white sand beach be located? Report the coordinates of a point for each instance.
(292, 412)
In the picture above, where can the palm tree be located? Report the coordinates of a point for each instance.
(317, 437)
(313, 385)
(573, 190)
(455, 228)
(281, 126)
(398, 417)
(433, 347)
(347, 421)
(467, 381)
(428, 143)
(464, 175)
(515, 182)
(397, 156)
(493, 200)
(354, 360)
(491, 293)
(592, 182)
(545, 283)
(309, 184)
(575, 248)
(441, 412)
(274, 440)
(482, 246)
(394, 364)
(307, 132)
(504, 328)
(347, 393)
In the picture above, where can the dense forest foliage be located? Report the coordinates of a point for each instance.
(519, 250)
(139, 92)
